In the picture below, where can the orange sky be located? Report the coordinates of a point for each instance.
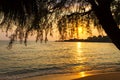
(55, 35)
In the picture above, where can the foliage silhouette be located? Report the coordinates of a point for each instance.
(39, 17)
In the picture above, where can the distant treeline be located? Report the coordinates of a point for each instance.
(90, 39)
(99, 39)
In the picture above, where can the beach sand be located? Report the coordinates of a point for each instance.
(78, 76)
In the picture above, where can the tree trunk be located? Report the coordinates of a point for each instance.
(105, 18)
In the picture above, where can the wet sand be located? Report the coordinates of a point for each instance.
(78, 76)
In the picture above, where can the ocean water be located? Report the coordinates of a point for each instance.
(56, 58)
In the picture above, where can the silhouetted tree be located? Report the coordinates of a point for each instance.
(38, 16)
(103, 12)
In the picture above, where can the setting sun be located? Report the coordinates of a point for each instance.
(80, 30)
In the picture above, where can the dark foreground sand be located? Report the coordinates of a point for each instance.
(78, 76)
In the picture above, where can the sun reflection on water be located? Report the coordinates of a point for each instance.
(85, 74)
(79, 47)
(82, 74)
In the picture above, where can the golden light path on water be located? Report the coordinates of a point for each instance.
(81, 56)
(79, 52)
(79, 46)
(82, 59)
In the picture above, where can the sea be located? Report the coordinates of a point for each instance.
(39, 59)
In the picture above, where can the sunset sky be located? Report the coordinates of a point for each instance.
(56, 35)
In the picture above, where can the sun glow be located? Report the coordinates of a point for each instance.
(80, 30)
(81, 33)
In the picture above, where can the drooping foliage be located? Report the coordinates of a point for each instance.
(38, 17)
(28, 17)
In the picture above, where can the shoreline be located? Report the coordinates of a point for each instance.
(85, 41)
(78, 76)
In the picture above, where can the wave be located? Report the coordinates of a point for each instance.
(30, 72)
(37, 72)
